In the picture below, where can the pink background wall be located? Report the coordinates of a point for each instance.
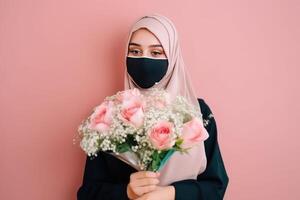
(59, 58)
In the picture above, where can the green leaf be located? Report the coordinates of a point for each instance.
(121, 148)
(179, 142)
(159, 159)
(155, 161)
(126, 146)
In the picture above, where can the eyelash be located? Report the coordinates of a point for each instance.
(133, 51)
(154, 52)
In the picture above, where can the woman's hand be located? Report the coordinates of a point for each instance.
(161, 192)
(142, 182)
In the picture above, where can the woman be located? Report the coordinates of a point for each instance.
(153, 59)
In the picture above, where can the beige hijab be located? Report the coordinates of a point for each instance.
(176, 82)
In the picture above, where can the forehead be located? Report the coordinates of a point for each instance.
(144, 37)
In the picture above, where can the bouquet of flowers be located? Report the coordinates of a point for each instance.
(143, 130)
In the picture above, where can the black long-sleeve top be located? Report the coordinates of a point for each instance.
(106, 177)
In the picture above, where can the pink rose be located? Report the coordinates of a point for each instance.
(128, 94)
(132, 111)
(193, 132)
(161, 135)
(101, 118)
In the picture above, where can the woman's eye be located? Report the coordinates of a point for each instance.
(156, 53)
(134, 52)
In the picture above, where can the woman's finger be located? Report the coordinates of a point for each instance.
(143, 174)
(144, 182)
(144, 189)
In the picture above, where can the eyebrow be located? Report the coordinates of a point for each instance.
(153, 45)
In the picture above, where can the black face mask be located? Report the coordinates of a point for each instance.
(146, 71)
